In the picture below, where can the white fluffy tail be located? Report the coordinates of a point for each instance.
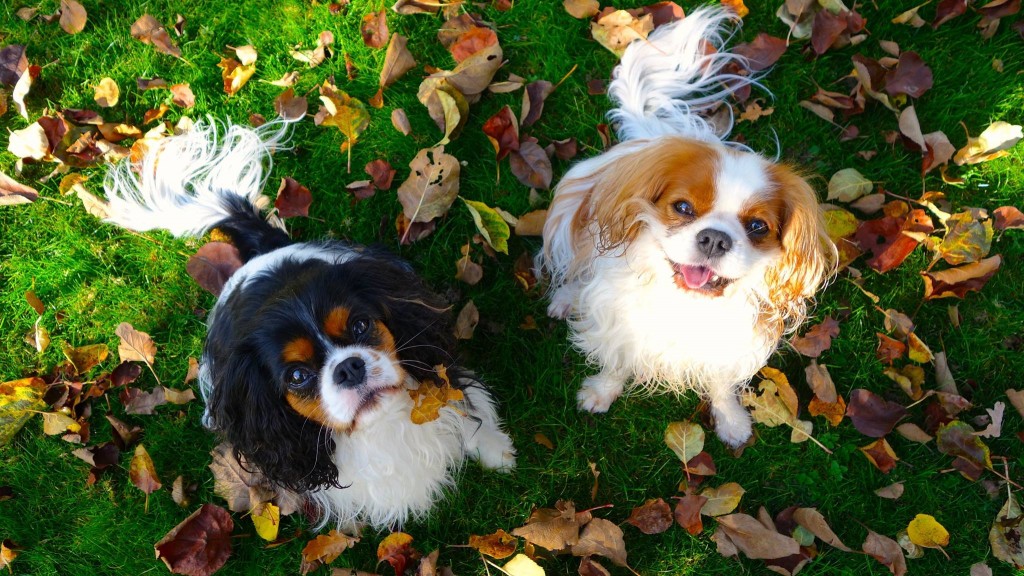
(665, 83)
(183, 182)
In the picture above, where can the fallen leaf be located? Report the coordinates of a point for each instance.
(887, 551)
(324, 549)
(817, 339)
(910, 17)
(533, 101)
(12, 192)
(291, 107)
(848, 185)
(490, 224)
(880, 454)
(474, 74)
(531, 165)
(317, 55)
(85, 358)
(911, 76)
(581, 8)
(754, 539)
(234, 74)
(946, 10)
(887, 240)
(654, 517)
(913, 432)
(381, 172)
(148, 30)
(432, 185)
(397, 61)
(143, 474)
(1008, 217)
(993, 142)
(499, 545)
(687, 513)
(820, 382)
(554, 529)
(267, 520)
(502, 129)
(466, 321)
(58, 423)
(762, 52)
(531, 223)
(815, 523)
(925, 531)
(776, 402)
(980, 569)
(19, 400)
(872, 415)
(397, 550)
(958, 439)
(134, 345)
(472, 41)
(138, 402)
(400, 121)
(617, 29)
(522, 565)
(957, 282)
(374, 29)
(602, 538)
(22, 87)
(213, 264)
(106, 93)
(72, 16)
(685, 439)
(721, 500)
(200, 544)
(1005, 534)
(833, 412)
(966, 239)
(293, 199)
(891, 492)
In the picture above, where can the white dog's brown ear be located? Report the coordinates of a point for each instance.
(808, 255)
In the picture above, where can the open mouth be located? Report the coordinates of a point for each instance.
(699, 279)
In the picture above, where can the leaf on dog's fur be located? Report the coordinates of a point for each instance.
(430, 397)
(200, 544)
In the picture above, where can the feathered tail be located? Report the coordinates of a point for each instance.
(208, 177)
(666, 83)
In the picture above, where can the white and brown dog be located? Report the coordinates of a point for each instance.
(679, 259)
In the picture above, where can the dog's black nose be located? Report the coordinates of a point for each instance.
(350, 372)
(713, 243)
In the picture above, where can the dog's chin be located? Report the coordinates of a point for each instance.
(367, 402)
(699, 279)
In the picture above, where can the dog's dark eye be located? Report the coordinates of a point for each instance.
(299, 378)
(683, 207)
(359, 327)
(757, 228)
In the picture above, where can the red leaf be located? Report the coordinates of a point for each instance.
(662, 13)
(871, 414)
(762, 52)
(503, 132)
(213, 264)
(885, 240)
(397, 550)
(947, 10)
(957, 282)
(293, 199)
(1008, 217)
(827, 28)
(654, 517)
(200, 545)
(382, 173)
(817, 339)
(889, 350)
(472, 41)
(375, 29)
(911, 76)
(687, 513)
(881, 455)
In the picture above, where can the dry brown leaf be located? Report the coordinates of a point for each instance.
(754, 539)
(602, 538)
(815, 523)
(149, 30)
(581, 8)
(432, 185)
(466, 321)
(891, 492)
(72, 16)
(134, 345)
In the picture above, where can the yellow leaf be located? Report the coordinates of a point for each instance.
(721, 500)
(737, 6)
(925, 531)
(429, 398)
(235, 74)
(686, 439)
(107, 93)
(521, 565)
(267, 520)
(19, 400)
(343, 112)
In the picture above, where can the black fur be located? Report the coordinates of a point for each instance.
(247, 229)
(251, 326)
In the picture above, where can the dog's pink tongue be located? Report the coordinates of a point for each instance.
(694, 276)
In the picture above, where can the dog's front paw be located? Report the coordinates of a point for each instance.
(494, 451)
(597, 394)
(561, 304)
(733, 427)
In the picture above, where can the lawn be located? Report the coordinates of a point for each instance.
(91, 277)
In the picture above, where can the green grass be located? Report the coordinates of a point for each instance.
(93, 276)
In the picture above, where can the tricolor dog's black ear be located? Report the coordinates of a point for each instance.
(247, 405)
(419, 319)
